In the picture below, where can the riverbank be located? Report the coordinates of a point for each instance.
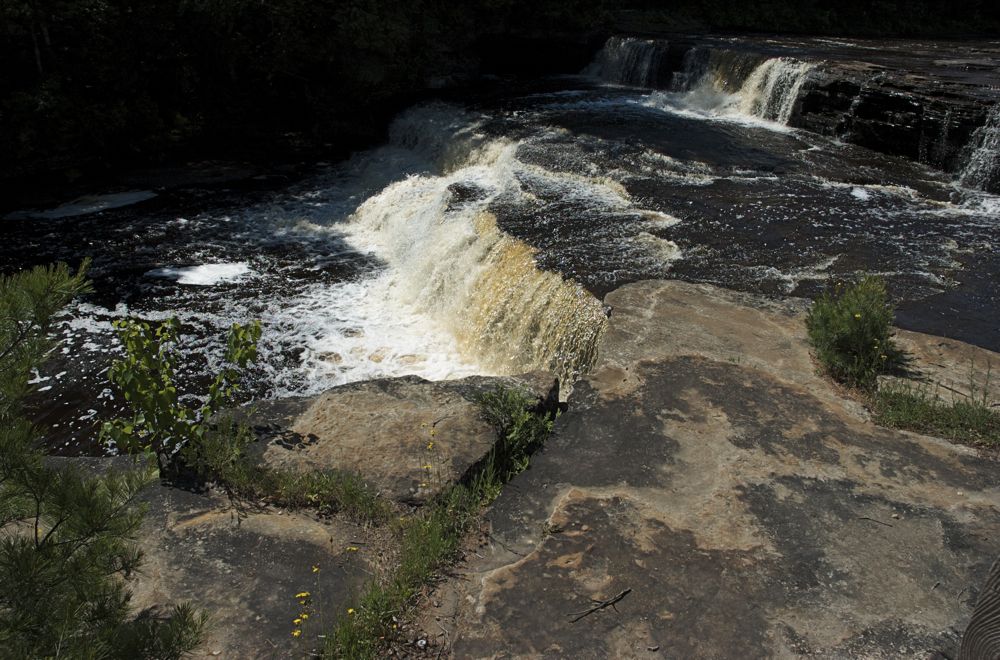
(730, 501)
(734, 499)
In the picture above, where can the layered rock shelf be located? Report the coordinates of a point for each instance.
(742, 505)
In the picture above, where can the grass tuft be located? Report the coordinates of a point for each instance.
(221, 457)
(969, 420)
(432, 537)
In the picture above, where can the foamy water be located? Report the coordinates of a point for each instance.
(480, 241)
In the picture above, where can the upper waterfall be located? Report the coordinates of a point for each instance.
(716, 79)
(773, 88)
(982, 169)
(631, 61)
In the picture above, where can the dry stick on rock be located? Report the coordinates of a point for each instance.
(601, 604)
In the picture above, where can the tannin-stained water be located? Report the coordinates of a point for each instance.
(481, 237)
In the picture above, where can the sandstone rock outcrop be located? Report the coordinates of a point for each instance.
(409, 438)
(750, 509)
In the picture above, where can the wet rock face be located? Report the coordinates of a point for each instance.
(750, 510)
(894, 113)
(411, 439)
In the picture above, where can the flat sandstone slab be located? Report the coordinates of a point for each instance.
(750, 510)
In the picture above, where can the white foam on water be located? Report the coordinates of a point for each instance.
(86, 205)
(860, 193)
(658, 219)
(347, 332)
(660, 249)
(204, 274)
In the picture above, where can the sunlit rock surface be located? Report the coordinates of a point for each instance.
(750, 509)
(409, 438)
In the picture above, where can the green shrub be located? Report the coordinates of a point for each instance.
(520, 432)
(67, 538)
(207, 440)
(850, 330)
(160, 424)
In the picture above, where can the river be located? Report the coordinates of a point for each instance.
(482, 236)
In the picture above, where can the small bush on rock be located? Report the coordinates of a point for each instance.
(160, 423)
(850, 330)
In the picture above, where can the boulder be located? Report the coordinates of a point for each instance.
(409, 438)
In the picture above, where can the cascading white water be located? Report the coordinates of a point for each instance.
(982, 169)
(771, 90)
(629, 61)
(448, 258)
(728, 83)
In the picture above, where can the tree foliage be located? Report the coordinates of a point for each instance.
(67, 537)
(161, 423)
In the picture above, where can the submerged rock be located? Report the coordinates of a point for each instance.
(744, 505)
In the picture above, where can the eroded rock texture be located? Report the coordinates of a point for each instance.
(751, 510)
(411, 439)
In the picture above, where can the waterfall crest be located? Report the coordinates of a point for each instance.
(982, 169)
(449, 259)
(630, 61)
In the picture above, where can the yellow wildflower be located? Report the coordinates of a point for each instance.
(430, 445)
(296, 621)
(302, 594)
(352, 548)
(428, 466)
(433, 432)
(296, 632)
(315, 569)
(350, 611)
(304, 615)
(857, 315)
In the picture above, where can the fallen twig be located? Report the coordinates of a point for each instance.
(601, 604)
(874, 521)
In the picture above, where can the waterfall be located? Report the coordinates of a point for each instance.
(982, 169)
(447, 257)
(771, 90)
(630, 61)
(727, 82)
(694, 67)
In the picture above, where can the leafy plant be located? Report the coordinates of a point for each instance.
(520, 432)
(67, 537)
(160, 423)
(850, 330)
